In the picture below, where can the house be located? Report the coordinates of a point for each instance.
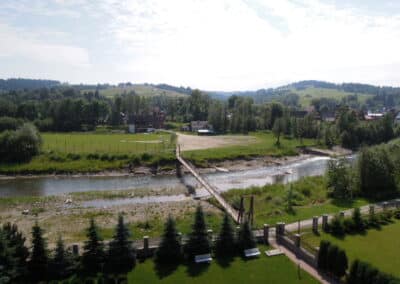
(397, 118)
(195, 126)
(146, 122)
(373, 115)
(328, 116)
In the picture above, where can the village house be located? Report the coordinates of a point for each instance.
(146, 122)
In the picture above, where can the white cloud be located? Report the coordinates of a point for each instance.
(214, 44)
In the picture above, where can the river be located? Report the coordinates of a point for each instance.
(47, 186)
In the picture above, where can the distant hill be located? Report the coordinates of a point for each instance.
(21, 84)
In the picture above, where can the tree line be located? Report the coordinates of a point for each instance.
(18, 264)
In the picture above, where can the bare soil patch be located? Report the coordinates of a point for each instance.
(194, 142)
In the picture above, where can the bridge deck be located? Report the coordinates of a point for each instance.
(228, 208)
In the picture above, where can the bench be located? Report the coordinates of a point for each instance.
(251, 252)
(273, 252)
(203, 258)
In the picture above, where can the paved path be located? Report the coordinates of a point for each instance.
(303, 265)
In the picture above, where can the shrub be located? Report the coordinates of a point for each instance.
(9, 123)
(336, 226)
(93, 156)
(73, 156)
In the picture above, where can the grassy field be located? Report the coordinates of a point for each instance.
(91, 152)
(307, 95)
(380, 247)
(309, 199)
(139, 89)
(263, 146)
(278, 269)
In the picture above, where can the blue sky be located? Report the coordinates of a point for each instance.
(208, 44)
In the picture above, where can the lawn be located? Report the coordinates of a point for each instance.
(81, 143)
(139, 89)
(307, 95)
(380, 247)
(309, 198)
(278, 269)
(92, 152)
(263, 146)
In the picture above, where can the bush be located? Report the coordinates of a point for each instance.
(9, 123)
(336, 226)
(73, 156)
(94, 156)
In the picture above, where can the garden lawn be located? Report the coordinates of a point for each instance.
(263, 146)
(381, 248)
(278, 269)
(309, 198)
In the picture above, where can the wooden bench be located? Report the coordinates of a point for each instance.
(203, 258)
(251, 252)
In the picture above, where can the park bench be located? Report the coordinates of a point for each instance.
(203, 258)
(251, 252)
(273, 252)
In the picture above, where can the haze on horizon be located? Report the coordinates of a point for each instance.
(210, 44)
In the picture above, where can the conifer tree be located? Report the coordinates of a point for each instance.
(7, 260)
(198, 240)
(61, 265)
(93, 255)
(353, 274)
(121, 257)
(246, 238)
(39, 260)
(226, 244)
(170, 250)
(332, 255)
(341, 263)
(20, 253)
(323, 254)
(357, 220)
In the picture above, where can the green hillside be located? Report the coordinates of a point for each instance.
(141, 90)
(308, 94)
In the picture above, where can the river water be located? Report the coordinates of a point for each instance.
(46, 186)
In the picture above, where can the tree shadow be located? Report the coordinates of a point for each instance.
(224, 261)
(343, 203)
(165, 269)
(196, 269)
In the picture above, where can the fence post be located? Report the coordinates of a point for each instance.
(297, 240)
(210, 235)
(385, 205)
(266, 233)
(315, 224)
(341, 214)
(371, 210)
(146, 246)
(325, 222)
(75, 249)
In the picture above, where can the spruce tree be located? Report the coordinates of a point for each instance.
(20, 252)
(353, 274)
(121, 256)
(226, 240)
(323, 254)
(170, 250)
(93, 255)
(7, 260)
(332, 255)
(341, 264)
(61, 265)
(357, 220)
(198, 240)
(39, 260)
(246, 239)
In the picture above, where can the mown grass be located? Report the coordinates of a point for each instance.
(139, 89)
(91, 153)
(380, 247)
(278, 269)
(265, 145)
(84, 143)
(309, 199)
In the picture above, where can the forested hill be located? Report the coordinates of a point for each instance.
(21, 84)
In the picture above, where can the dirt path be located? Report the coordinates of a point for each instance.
(194, 142)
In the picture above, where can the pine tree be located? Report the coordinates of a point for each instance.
(121, 257)
(357, 220)
(336, 226)
(7, 260)
(246, 239)
(170, 250)
(341, 263)
(332, 255)
(323, 254)
(61, 265)
(353, 274)
(38, 263)
(20, 253)
(198, 241)
(93, 255)
(226, 240)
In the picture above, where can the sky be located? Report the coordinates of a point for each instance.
(208, 44)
